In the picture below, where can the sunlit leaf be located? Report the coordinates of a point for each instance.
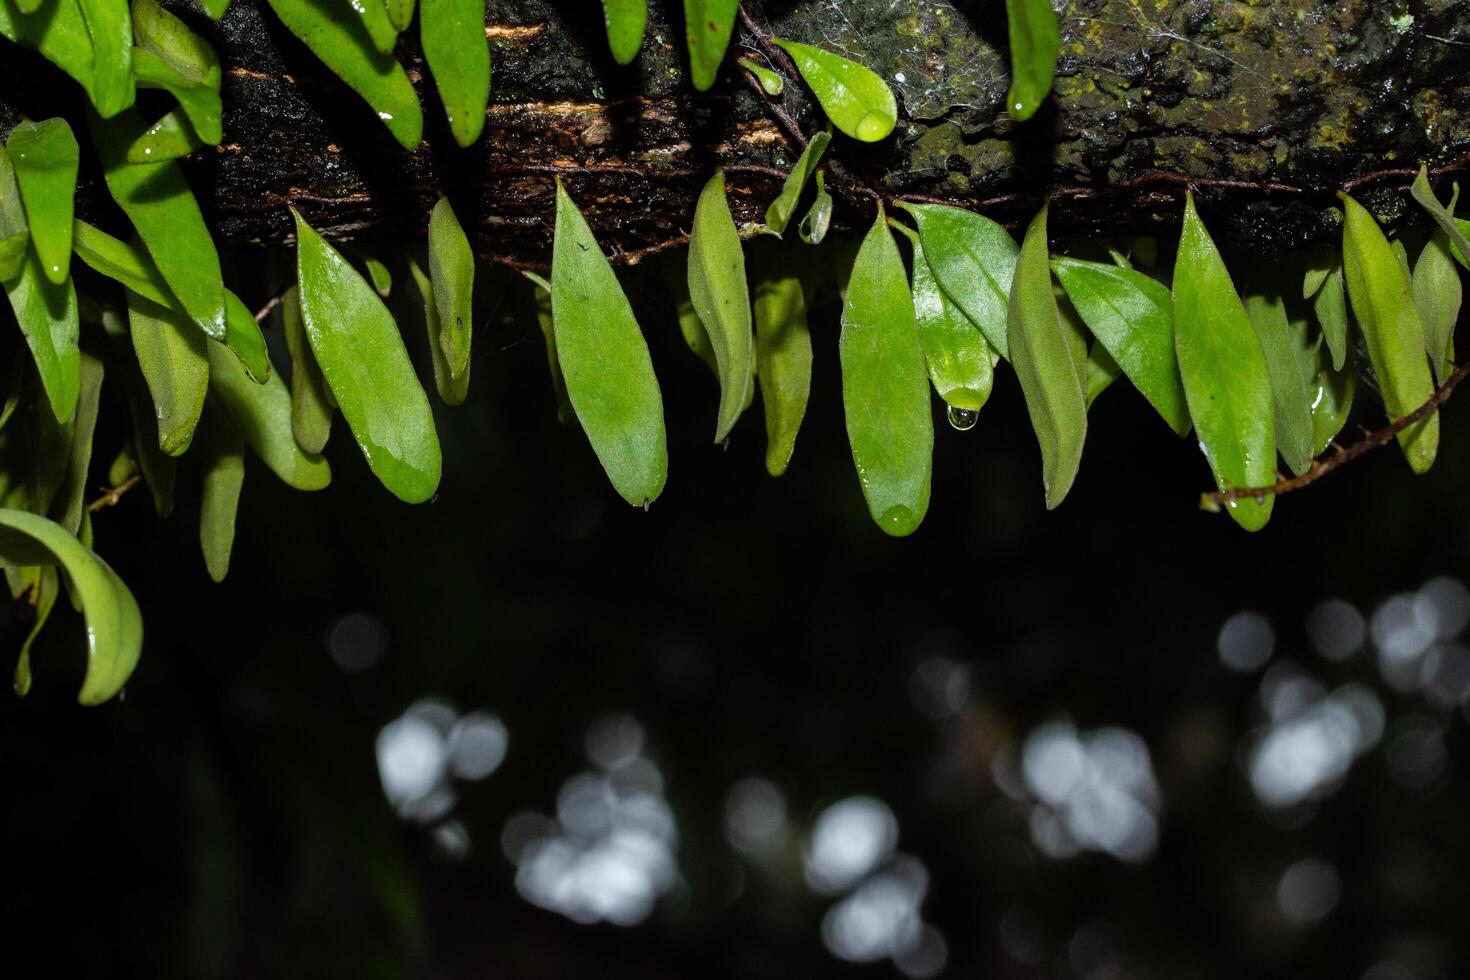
(458, 53)
(311, 401)
(974, 259)
(1438, 294)
(783, 349)
(707, 27)
(1281, 343)
(717, 288)
(219, 495)
(175, 366)
(854, 97)
(783, 208)
(1035, 43)
(452, 270)
(626, 22)
(960, 362)
(45, 156)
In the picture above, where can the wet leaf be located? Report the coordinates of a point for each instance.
(783, 208)
(110, 24)
(1382, 297)
(171, 137)
(605, 361)
(783, 350)
(960, 362)
(626, 21)
(367, 369)
(855, 98)
(453, 389)
(45, 158)
(263, 415)
(1281, 343)
(885, 390)
(47, 314)
(1035, 43)
(114, 624)
(717, 288)
(707, 27)
(1226, 381)
(1424, 194)
(1330, 307)
(69, 503)
(1132, 316)
(974, 259)
(458, 53)
(818, 220)
(60, 34)
(1438, 293)
(452, 270)
(771, 83)
(311, 402)
(175, 366)
(674, 268)
(15, 235)
(219, 500)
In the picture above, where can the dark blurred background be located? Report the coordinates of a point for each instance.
(527, 731)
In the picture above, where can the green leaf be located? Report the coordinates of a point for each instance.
(59, 33)
(605, 361)
(452, 270)
(367, 369)
(540, 308)
(39, 586)
(458, 53)
(1383, 301)
(1132, 316)
(1102, 371)
(114, 624)
(69, 503)
(674, 269)
(1319, 262)
(159, 470)
(311, 402)
(1051, 375)
(1281, 343)
(121, 263)
(243, 337)
(47, 314)
(1035, 43)
(199, 103)
(717, 287)
(111, 27)
(818, 220)
(771, 82)
(224, 474)
(1331, 391)
(856, 99)
(400, 13)
(974, 259)
(452, 388)
(783, 350)
(707, 27)
(626, 21)
(45, 157)
(343, 46)
(783, 208)
(1438, 293)
(378, 275)
(960, 362)
(885, 391)
(15, 235)
(1226, 381)
(171, 137)
(1424, 194)
(1330, 307)
(157, 200)
(167, 37)
(175, 366)
(215, 8)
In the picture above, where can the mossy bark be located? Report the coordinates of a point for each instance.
(1268, 106)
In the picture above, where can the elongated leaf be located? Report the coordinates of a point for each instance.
(1035, 43)
(960, 362)
(69, 503)
(171, 137)
(224, 475)
(159, 471)
(783, 351)
(1290, 396)
(114, 624)
(175, 366)
(311, 402)
(452, 389)
(674, 269)
(707, 27)
(452, 270)
(538, 306)
(1383, 300)
(263, 415)
(367, 369)
(110, 25)
(45, 156)
(885, 391)
(626, 22)
(1102, 371)
(199, 103)
(605, 361)
(974, 259)
(15, 235)
(1332, 393)
(373, 15)
(1444, 218)
(818, 220)
(1051, 375)
(215, 8)
(244, 339)
(453, 35)
(1226, 381)
(1330, 307)
(1438, 293)
(400, 13)
(1319, 265)
(121, 263)
(344, 46)
(719, 293)
(47, 314)
(378, 275)
(164, 35)
(783, 208)
(854, 97)
(58, 32)
(1132, 316)
(39, 586)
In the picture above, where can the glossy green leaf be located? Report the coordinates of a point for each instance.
(783, 208)
(1438, 294)
(458, 53)
(158, 469)
(15, 235)
(175, 366)
(373, 15)
(344, 46)
(974, 259)
(114, 624)
(1382, 297)
(885, 390)
(1281, 343)
(219, 499)
(378, 275)
(215, 8)
(164, 35)
(1331, 391)
(45, 157)
(452, 270)
(171, 137)
(539, 307)
(452, 388)
(367, 369)
(263, 415)
(1226, 381)
(707, 27)
(200, 104)
(157, 200)
(717, 288)
(783, 350)
(605, 361)
(1132, 316)
(110, 24)
(1045, 360)
(674, 270)
(121, 263)
(818, 220)
(626, 22)
(59, 33)
(244, 339)
(771, 82)
(47, 314)
(311, 402)
(1102, 371)
(1035, 43)
(40, 585)
(854, 97)
(1444, 218)
(70, 500)
(960, 361)
(1330, 307)
(400, 13)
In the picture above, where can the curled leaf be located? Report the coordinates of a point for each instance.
(783, 208)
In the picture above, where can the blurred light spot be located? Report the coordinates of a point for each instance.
(927, 958)
(411, 760)
(1336, 629)
(1246, 641)
(1286, 691)
(1096, 791)
(452, 840)
(357, 641)
(1402, 628)
(939, 688)
(1444, 675)
(881, 918)
(1305, 755)
(755, 817)
(1450, 601)
(1416, 753)
(1308, 890)
(850, 839)
(1005, 769)
(477, 745)
(522, 830)
(614, 741)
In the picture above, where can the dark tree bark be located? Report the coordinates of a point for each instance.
(1268, 107)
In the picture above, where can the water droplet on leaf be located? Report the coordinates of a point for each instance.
(963, 419)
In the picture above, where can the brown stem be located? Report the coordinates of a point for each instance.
(111, 495)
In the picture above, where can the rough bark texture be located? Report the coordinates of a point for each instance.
(1269, 106)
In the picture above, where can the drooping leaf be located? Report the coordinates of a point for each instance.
(605, 361)
(717, 288)
(1281, 343)
(783, 351)
(1319, 264)
(122, 263)
(1382, 297)
(452, 270)
(47, 314)
(114, 624)
(244, 339)
(1102, 371)
(1444, 218)
(1226, 381)
(452, 388)
(1132, 316)
(974, 259)
(199, 103)
(263, 415)
(674, 269)
(818, 220)
(707, 27)
(960, 362)
(38, 585)
(771, 82)
(175, 366)
(1331, 392)
(159, 470)
(783, 208)
(626, 22)
(224, 474)
(110, 24)
(70, 501)
(458, 53)
(378, 275)
(854, 97)
(15, 235)
(1035, 43)
(885, 391)
(164, 35)
(1045, 360)
(539, 307)
(215, 8)
(58, 32)
(45, 157)
(1330, 307)
(311, 402)
(171, 137)
(1438, 294)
